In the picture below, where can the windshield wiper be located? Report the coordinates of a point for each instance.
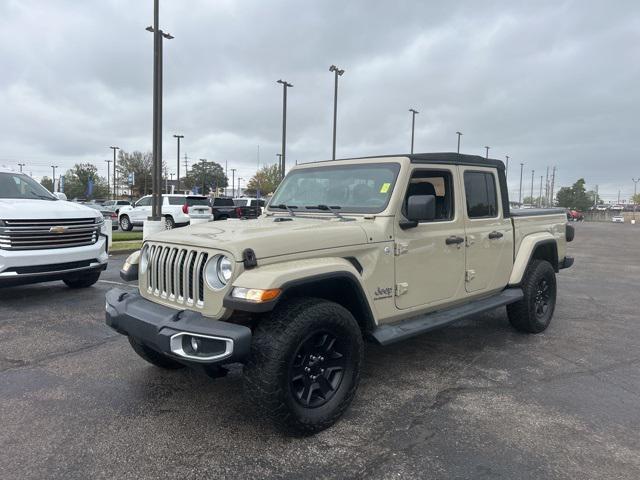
(288, 208)
(327, 208)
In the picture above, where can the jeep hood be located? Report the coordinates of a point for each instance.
(266, 237)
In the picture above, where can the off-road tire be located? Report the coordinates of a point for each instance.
(82, 281)
(529, 314)
(125, 223)
(169, 223)
(269, 375)
(153, 357)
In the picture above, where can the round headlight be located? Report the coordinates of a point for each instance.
(218, 272)
(144, 259)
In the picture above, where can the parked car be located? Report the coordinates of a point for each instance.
(224, 208)
(617, 219)
(174, 210)
(378, 249)
(575, 216)
(106, 214)
(115, 205)
(250, 207)
(44, 238)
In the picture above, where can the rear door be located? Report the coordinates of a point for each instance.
(489, 236)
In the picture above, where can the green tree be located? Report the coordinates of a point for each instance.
(265, 181)
(575, 197)
(47, 183)
(635, 199)
(211, 173)
(78, 178)
(138, 163)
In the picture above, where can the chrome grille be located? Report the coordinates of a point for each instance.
(43, 234)
(176, 274)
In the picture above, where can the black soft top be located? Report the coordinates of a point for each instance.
(450, 158)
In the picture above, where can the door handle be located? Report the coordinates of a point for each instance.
(454, 240)
(495, 234)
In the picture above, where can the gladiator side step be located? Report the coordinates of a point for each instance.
(388, 334)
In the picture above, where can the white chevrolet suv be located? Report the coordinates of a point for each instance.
(175, 210)
(43, 238)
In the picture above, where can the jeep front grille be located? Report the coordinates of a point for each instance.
(45, 234)
(176, 274)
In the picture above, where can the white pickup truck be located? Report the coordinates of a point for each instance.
(43, 238)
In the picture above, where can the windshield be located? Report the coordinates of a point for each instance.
(363, 188)
(19, 185)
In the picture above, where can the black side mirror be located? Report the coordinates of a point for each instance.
(420, 208)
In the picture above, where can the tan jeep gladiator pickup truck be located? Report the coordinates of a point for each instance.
(379, 249)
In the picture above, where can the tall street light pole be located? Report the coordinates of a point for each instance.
(459, 135)
(22, 165)
(487, 149)
(285, 85)
(115, 192)
(158, 37)
(337, 73)
(233, 182)
(635, 192)
(53, 183)
(413, 125)
(520, 194)
(239, 188)
(178, 137)
(540, 196)
(532, 174)
(280, 170)
(108, 174)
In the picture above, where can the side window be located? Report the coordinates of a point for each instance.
(482, 198)
(438, 183)
(144, 202)
(176, 200)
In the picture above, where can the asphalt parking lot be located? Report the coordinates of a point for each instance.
(475, 400)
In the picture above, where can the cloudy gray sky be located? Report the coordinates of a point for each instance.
(546, 82)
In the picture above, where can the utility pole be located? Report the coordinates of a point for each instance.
(553, 182)
(506, 173)
(487, 148)
(53, 183)
(546, 188)
(239, 189)
(635, 193)
(108, 174)
(22, 165)
(459, 135)
(595, 200)
(226, 176)
(186, 164)
(413, 125)
(233, 182)
(115, 181)
(178, 137)
(285, 85)
(337, 73)
(279, 155)
(540, 196)
(203, 160)
(158, 40)
(520, 194)
(532, 173)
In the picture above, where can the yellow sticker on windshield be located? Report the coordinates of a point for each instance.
(385, 187)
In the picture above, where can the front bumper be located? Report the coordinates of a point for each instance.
(163, 328)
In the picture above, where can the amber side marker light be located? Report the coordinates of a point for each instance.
(255, 295)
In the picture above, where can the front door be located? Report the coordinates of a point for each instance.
(489, 236)
(141, 210)
(430, 256)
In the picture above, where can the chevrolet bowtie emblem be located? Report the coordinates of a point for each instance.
(58, 229)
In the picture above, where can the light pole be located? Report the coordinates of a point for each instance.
(53, 183)
(22, 165)
(239, 188)
(532, 174)
(635, 193)
(279, 155)
(487, 149)
(507, 169)
(459, 135)
(285, 85)
(337, 73)
(233, 182)
(203, 160)
(158, 37)
(108, 174)
(115, 192)
(540, 196)
(520, 194)
(413, 125)
(178, 137)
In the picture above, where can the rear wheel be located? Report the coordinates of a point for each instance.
(304, 366)
(82, 280)
(169, 223)
(153, 357)
(533, 313)
(125, 223)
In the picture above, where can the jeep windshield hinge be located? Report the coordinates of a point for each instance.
(400, 248)
(401, 288)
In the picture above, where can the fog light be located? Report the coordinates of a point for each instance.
(195, 344)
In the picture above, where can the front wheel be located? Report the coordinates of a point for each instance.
(533, 313)
(304, 366)
(169, 223)
(82, 281)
